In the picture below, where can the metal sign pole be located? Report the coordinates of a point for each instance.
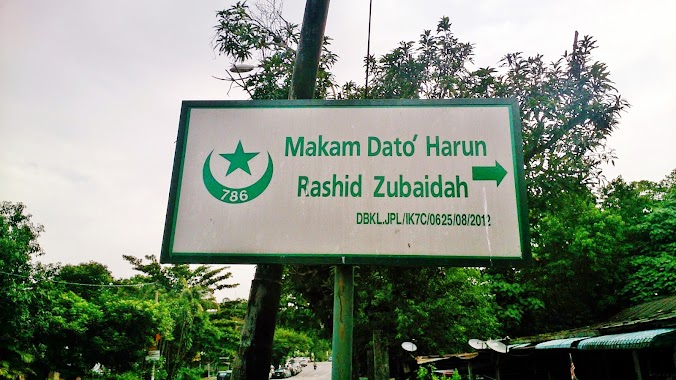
(343, 306)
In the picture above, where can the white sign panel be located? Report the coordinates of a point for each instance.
(153, 355)
(381, 182)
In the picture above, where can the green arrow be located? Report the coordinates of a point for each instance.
(489, 173)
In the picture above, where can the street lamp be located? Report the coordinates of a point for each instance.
(242, 67)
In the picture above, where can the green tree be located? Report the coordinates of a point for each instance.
(427, 373)
(63, 338)
(307, 300)
(87, 319)
(434, 68)
(119, 340)
(192, 333)
(441, 308)
(649, 210)
(264, 37)
(86, 280)
(229, 320)
(181, 276)
(579, 267)
(18, 246)
(287, 341)
(185, 295)
(568, 109)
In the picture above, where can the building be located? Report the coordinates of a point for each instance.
(637, 343)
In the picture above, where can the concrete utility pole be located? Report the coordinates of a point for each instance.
(255, 350)
(309, 49)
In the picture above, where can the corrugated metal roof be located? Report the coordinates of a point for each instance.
(660, 308)
(558, 343)
(634, 340)
(520, 346)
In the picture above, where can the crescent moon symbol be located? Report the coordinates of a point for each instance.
(235, 195)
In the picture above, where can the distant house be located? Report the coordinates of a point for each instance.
(638, 343)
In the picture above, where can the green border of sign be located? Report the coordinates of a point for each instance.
(168, 256)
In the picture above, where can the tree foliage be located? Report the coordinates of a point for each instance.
(649, 210)
(125, 332)
(18, 246)
(72, 318)
(229, 320)
(595, 248)
(439, 308)
(287, 342)
(569, 107)
(437, 67)
(88, 276)
(186, 296)
(264, 37)
(180, 276)
(65, 334)
(579, 266)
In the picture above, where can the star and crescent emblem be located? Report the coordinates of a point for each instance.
(238, 160)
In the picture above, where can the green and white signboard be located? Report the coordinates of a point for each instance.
(417, 182)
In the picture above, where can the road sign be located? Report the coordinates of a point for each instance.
(348, 182)
(153, 355)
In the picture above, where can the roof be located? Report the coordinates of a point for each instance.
(558, 343)
(655, 338)
(647, 325)
(658, 313)
(584, 332)
(436, 358)
(630, 341)
(659, 310)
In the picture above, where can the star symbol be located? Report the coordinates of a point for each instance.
(239, 159)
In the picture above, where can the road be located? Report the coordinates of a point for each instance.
(323, 372)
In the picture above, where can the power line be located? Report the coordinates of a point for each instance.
(109, 285)
(368, 53)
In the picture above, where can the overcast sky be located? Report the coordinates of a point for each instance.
(90, 96)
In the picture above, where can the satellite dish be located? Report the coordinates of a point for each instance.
(409, 346)
(497, 345)
(478, 344)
